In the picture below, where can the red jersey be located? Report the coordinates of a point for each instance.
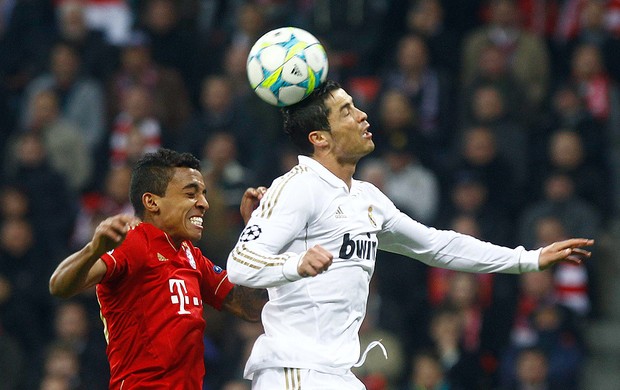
(151, 301)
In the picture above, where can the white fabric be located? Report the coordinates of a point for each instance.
(313, 322)
(304, 379)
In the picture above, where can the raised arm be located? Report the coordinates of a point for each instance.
(83, 269)
(448, 249)
(249, 202)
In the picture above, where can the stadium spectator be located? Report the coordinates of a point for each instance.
(136, 130)
(533, 371)
(73, 328)
(174, 43)
(25, 306)
(566, 153)
(113, 18)
(64, 142)
(461, 367)
(541, 321)
(220, 111)
(488, 108)
(560, 201)
(50, 199)
(427, 18)
(427, 372)
(61, 363)
(568, 111)
(426, 87)
(96, 206)
(528, 53)
(493, 70)
(171, 101)
(81, 98)
(572, 284)
(477, 153)
(99, 58)
(591, 78)
(413, 187)
(226, 179)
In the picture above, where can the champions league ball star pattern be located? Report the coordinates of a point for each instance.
(285, 65)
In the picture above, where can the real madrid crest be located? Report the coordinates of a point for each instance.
(370, 217)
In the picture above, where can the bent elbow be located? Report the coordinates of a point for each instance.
(253, 318)
(57, 291)
(234, 276)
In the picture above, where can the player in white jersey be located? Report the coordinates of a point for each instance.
(313, 244)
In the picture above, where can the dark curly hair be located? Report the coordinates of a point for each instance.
(308, 115)
(153, 172)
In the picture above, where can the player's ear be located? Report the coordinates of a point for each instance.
(317, 138)
(150, 202)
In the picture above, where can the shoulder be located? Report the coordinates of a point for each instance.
(299, 180)
(300, 188)
(368, 188)
(296, 173)
(137, 240)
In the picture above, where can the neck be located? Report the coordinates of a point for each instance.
(342, 169)
(152, 220)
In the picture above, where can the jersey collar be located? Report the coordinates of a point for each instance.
(156, 233)
(323, 172)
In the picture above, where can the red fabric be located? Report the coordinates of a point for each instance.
(569, 20)
(539, 16)
(596, 94)
(125, 127)
(151, 304)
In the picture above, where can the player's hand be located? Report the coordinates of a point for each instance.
(316, 260)
(111, 232)
(249, 202)
(567, 250)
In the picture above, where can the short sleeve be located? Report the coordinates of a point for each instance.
(117, 260)
(113, 265)
(215, 285)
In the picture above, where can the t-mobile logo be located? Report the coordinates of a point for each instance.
(179, 294)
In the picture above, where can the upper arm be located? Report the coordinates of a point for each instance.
(95, 274)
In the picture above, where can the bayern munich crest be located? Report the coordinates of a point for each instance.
(250, 233)
(190, 257)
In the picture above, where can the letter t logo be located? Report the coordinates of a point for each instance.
(179, 294)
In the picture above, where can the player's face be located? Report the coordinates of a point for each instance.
(350, 137)
(183, 206)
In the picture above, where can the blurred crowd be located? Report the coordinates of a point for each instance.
(499, 119)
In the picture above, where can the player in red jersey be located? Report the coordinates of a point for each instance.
(151, 280)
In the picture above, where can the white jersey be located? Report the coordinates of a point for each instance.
(313, 322)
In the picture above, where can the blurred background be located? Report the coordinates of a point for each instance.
(499, 119)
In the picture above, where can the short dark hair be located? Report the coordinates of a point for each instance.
(153, 172)
(308, 115)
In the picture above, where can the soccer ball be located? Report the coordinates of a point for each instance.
(285, 65)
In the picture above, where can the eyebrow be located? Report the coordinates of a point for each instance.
(345, 106)
(194, 186)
